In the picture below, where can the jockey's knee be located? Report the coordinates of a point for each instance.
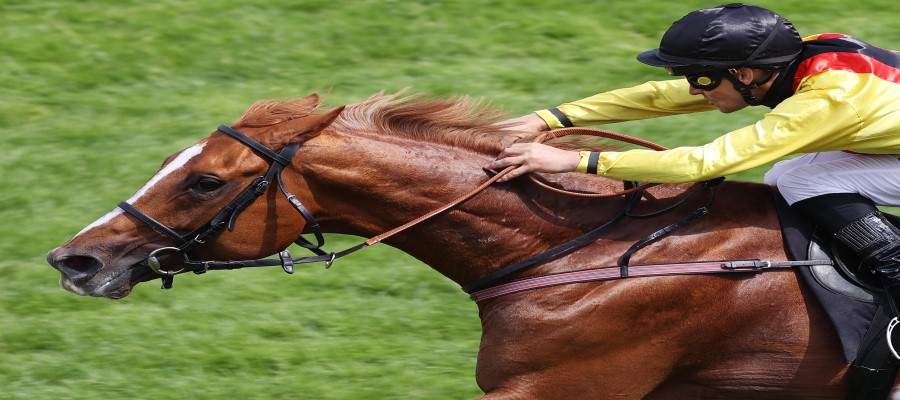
(771, 177)
(796, 187)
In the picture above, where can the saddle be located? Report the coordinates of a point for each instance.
(854, 302)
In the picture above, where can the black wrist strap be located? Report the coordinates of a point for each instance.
(593, 159)
(563, 119)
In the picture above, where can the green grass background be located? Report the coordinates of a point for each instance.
(95, 94)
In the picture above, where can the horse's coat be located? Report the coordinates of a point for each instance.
(389, 159)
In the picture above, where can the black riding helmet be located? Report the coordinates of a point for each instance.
(729, 36)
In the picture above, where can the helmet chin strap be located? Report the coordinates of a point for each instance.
(745, 90)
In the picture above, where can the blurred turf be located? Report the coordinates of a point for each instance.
(95, 94)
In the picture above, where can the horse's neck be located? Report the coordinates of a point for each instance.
(372, 185)
(366, 185)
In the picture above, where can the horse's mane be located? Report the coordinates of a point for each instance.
(459, 121)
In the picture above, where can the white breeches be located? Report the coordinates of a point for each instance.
(876, 176)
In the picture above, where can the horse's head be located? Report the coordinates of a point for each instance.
(194, 194)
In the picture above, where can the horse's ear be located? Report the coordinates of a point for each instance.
(303, 129)
(310, 101)
(321, 121)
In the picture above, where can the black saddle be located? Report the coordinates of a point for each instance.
(854, 301)
(849, 297)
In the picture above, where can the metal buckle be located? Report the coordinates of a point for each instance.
(287, 263)
(753, 265)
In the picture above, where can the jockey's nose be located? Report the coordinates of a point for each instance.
(74, 266)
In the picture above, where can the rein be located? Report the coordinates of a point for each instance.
(556, 133)
(479, 289)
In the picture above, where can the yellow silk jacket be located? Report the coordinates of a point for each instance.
(840, 94)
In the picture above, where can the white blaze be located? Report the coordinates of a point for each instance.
(171, 167)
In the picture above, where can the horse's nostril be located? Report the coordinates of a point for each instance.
(79, 262)
(74, 266)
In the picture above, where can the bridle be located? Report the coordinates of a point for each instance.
(227, 217)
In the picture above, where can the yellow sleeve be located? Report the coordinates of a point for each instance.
(822, 117)
(648, 100)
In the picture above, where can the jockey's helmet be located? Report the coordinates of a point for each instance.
(729, 36)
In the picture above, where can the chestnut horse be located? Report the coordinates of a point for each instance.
(368, 167)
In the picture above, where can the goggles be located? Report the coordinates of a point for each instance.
(703, 80)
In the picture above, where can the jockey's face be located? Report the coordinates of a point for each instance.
(726, 97)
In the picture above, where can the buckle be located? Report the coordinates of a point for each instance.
(287, 263)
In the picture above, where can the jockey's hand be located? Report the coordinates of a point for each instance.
(523, 127)
(530, 123)
(534, 157)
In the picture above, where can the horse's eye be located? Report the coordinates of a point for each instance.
(207, 184)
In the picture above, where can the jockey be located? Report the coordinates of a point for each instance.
(833, 97)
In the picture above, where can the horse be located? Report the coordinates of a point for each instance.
(368, 167)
